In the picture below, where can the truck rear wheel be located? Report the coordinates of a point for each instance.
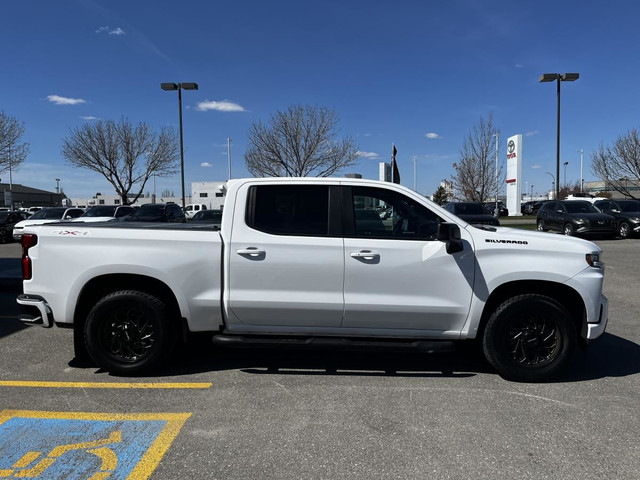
(529, 338)
(128, 332)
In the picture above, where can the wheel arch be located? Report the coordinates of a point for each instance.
(566, 296)
(102, 285)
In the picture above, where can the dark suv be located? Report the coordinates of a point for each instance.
(626, 213)
(157, 212)
(472, 212)
(574, 217)
(7, 220)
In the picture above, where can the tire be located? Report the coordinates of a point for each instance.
(529, 338)
(129, 332)
(624, 230)
(568, 230)
(541, 226)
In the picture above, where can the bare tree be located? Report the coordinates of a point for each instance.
(299, 142)
(475, 177)
(13, 152)
(619, 166)
(126, 155)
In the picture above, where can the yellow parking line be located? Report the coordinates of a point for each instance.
(20, 383)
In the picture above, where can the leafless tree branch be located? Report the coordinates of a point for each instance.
(299, 142)
(126, 155)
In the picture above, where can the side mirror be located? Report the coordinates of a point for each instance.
(449, 233)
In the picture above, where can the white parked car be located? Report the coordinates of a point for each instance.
(105, 213)
(46, 215)
(193, 208)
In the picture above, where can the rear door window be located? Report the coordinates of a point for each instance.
(289, 209)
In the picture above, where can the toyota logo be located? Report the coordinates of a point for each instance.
(511, 146)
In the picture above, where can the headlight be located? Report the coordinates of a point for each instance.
(593, 259)
(580, 220)
(635, 219)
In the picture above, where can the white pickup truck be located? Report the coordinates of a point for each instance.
(316, 260)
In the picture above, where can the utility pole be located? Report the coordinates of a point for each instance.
(581, 178)
(497, 135)
(229, 155)
(415, 173)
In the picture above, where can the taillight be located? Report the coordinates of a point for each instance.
(28, 240)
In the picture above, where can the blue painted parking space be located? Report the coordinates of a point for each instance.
(91, 446)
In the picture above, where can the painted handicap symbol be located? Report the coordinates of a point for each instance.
(92, 446)
(106, 455)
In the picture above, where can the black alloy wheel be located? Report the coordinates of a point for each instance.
(624, 230)
(530, 338)
(128, 332)
(568, 229)
(541, 227)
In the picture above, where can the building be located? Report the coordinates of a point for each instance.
(633, 186)
(211, 194)
(24, 197)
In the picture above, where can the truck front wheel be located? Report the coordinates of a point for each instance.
(529, 338)
(127, 332)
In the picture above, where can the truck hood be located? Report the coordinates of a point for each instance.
(515, 237)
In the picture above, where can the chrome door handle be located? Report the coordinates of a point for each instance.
(251, 251)
(366, 254)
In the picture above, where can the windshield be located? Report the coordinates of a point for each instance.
(581, 207)
(470, 209)
(150, 210)
(51, 213)
(102, 211)
(630, 206)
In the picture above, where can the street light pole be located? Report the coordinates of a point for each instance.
(581, 177)
(553, 182)
(415, 173)
(565, 173)
(180, 87)
(532, 192)
(559, 77)
(229, 155)
(497, 135)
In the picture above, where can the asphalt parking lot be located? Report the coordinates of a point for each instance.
(282, 414)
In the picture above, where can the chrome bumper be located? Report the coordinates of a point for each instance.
(594, 330)
(35, 310)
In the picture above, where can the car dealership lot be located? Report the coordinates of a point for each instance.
(250, 413)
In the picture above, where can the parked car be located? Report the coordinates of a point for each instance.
(105, 213)
(157, 212)
(193, 208)
(534, 207)
(46, 215)
(213, 217)
(491, 208)
(8, 219)
(474, 213)
(291, 268)
(574, 217)
(626, 213)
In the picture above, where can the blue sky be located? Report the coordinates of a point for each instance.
(419, 74)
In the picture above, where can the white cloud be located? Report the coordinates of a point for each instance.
(536, 166)
(368, 154)
(89, 117)
(531, 133)
(58, 100)
(206, 164)
(223, 106)
(432, 135)
(110, 31)
(517, 65)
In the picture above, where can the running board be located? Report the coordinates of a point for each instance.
(429, 346)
